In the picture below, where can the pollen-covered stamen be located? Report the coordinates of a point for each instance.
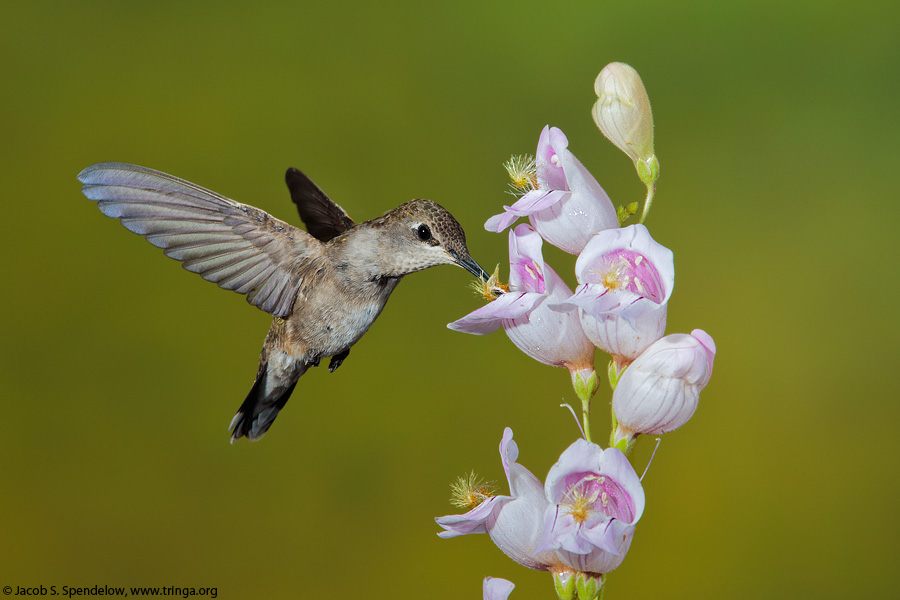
(597, 495)
(522, 173)
(580, 504)
(614, 273)
(468, 491)
(492, 288)
(628, 270)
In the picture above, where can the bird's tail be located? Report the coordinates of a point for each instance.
(260, 408)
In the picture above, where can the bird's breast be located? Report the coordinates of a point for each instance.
(329, 318)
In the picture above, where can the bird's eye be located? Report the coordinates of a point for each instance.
(423, 232)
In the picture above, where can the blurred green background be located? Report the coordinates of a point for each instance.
(776, 128)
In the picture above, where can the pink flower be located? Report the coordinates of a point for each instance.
(549, 336)
(583, 518)
(659, 391)
(595, 500)
(626, 281)
(568, 206)
(515, 522)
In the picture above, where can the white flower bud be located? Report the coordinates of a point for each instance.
(660, 390)
(622, 112)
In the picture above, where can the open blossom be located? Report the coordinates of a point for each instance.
(595, 500)
(515, 522)
(582, 518)
(548, 336)
(567, 205)
(626, 281)
(659, 391)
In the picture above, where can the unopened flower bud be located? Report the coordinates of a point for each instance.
(585, 382)
(622, 112)
(589, 586)
(564, 582)
(495, 588)
(660, 390)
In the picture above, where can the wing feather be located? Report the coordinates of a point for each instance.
(323, 217)
(236, 246)
(175, 240)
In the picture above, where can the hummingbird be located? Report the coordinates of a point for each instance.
(324, 286)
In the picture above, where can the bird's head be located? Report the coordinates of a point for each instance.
(424, 234)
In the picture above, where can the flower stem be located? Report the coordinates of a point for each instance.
(585, 382)
(621, 440)
(651, 190)
(612, 430)
(586, 417)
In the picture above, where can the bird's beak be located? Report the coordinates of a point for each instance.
(468, 263)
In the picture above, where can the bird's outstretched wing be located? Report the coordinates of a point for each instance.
(236, 246)
(324, 219)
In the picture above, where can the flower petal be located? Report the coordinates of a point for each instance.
(516, 528)
(533, 201)
(623, 338)
(571, 221)
(498, 223)
(549, 336)
(581, 457)
(550, 174)
(495, 588)
(537, 200)
(509, 452)
(472, 521)
(526, 262)
(488, 318)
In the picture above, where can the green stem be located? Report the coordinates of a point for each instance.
(612, 430)
(651, 190)
(586, 417)
(625, 445)
(585, 382)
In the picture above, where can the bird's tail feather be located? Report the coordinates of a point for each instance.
(259, 410)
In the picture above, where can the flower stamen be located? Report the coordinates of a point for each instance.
(468, 491)
(522, 173)
(580, 504)
(492, 288)
(534, 270)
(638, 285)
(615, 273)
(630, 271)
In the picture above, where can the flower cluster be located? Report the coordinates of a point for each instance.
(579, 522)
